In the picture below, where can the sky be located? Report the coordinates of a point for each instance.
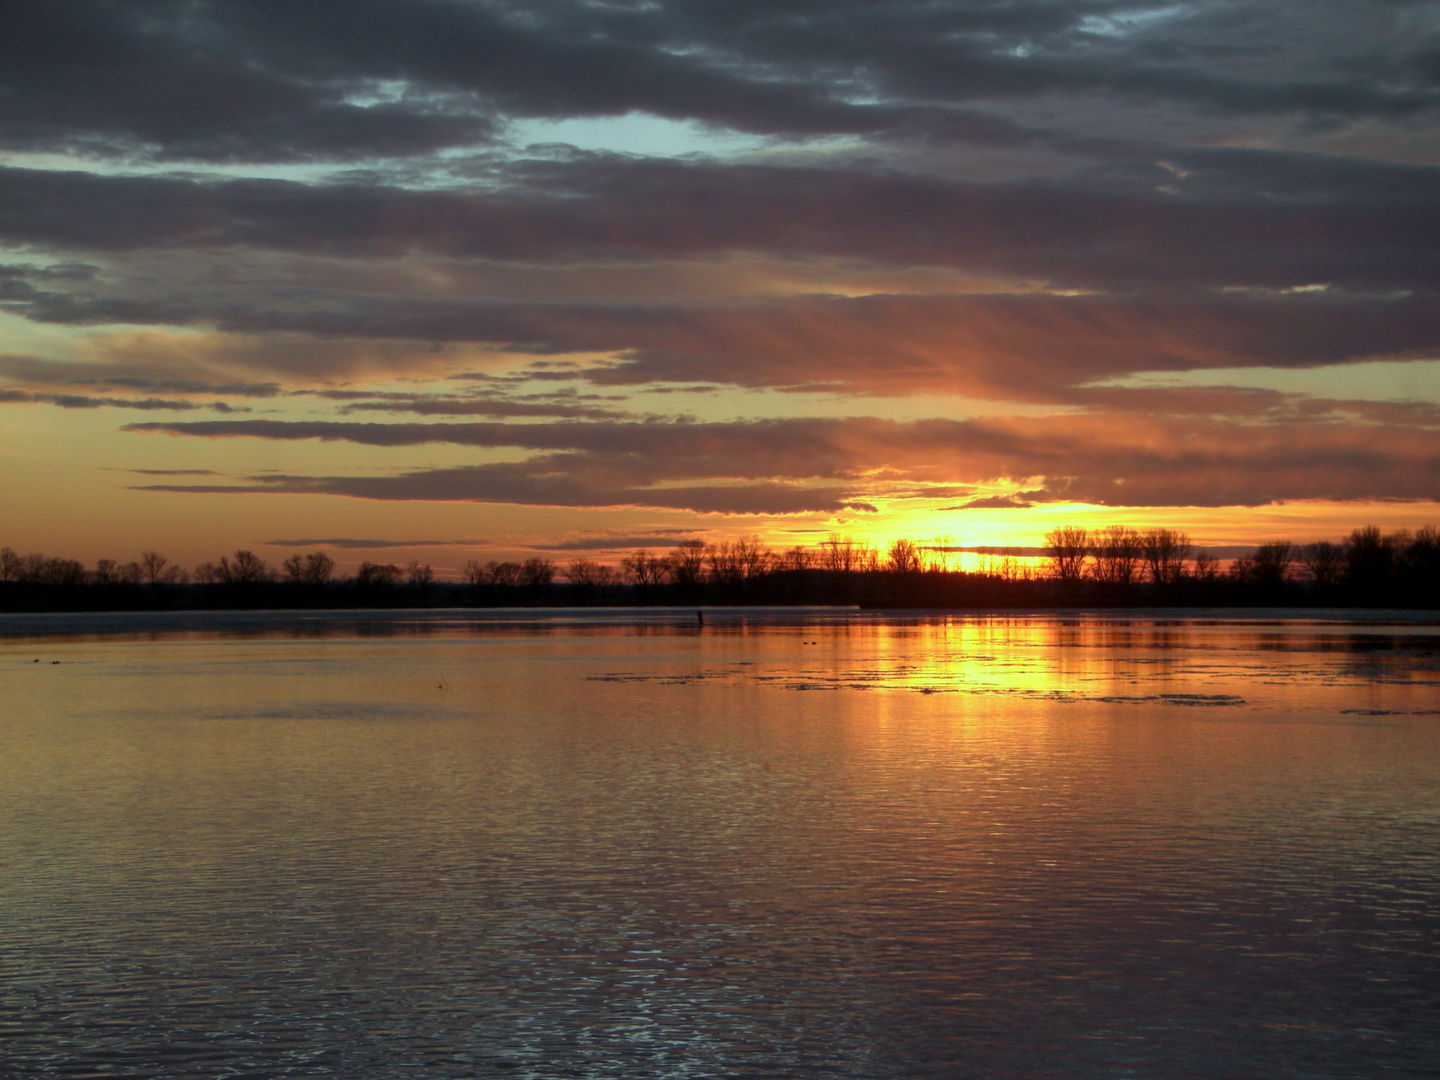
(451, 279)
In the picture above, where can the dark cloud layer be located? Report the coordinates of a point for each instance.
(1034, 347)
(286, 79)
(790, 466)
(1278, 224)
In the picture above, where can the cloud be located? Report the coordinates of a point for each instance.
(438, 405)
(271, 81)
(1025, 346)
(156, 375)
(994, 502)
(12, 396)
(1288, 220)
(995, 207)
(620, 542)
(354, 544)
(809, 465)
(172, 472)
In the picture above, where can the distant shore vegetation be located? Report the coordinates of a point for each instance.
(1114, 566)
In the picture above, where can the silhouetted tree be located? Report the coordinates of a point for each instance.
(1207, 567)
(318, 568)
(108, 572)
(537, 573)
(588, 574)
(903, 557)
(940, 555)
(156, 569)
(377, 575)
(839, 554)
(644, 570)
(1419, 562)
(796, 558)
(1369, 559)
(1325, 562)
(686, 563)
(38, 570)
(1165, 551)
(504, 574)
(1066, 546)
(1271, 562)
(1117, 555)
(752, 557)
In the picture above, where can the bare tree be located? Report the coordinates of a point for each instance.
(1324, 561)
(247, 569)
(537, 573)
(725, 564)
(107, 572)
(644, 569)
(1117, 555)
(754, 558)
(587, 574)
(839, 553)
(1369, 557)
(1165, 551)
(38, 570)
(377, 575)
(903, 557)
(420, 575)
(796, 558)
(318, 568)
(1066, 547)
(503, 573)
(157, 569)
(1010, 566)
(1207, 567)
(1272, 561)
(687, 562)
(1420, 560)
(940, 555)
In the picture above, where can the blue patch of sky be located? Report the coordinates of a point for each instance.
(633, 133)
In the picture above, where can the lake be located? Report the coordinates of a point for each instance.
(783, 843)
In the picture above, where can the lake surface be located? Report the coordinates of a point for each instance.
(619, 844)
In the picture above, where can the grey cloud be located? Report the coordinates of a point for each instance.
(1107, 458)
(123, 376)
(995, 502)
(1368, 226)
(284, 80)
(83, 401)
(662, 539)
(1030, 346)
(172, 472)
(355, 544)
(526, 485)
(435, 405)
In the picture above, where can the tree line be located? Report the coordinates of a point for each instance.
(1116, 565)
(1368, 566)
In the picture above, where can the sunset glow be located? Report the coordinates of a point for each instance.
(452, 281)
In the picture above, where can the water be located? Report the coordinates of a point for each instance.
(613, 845)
